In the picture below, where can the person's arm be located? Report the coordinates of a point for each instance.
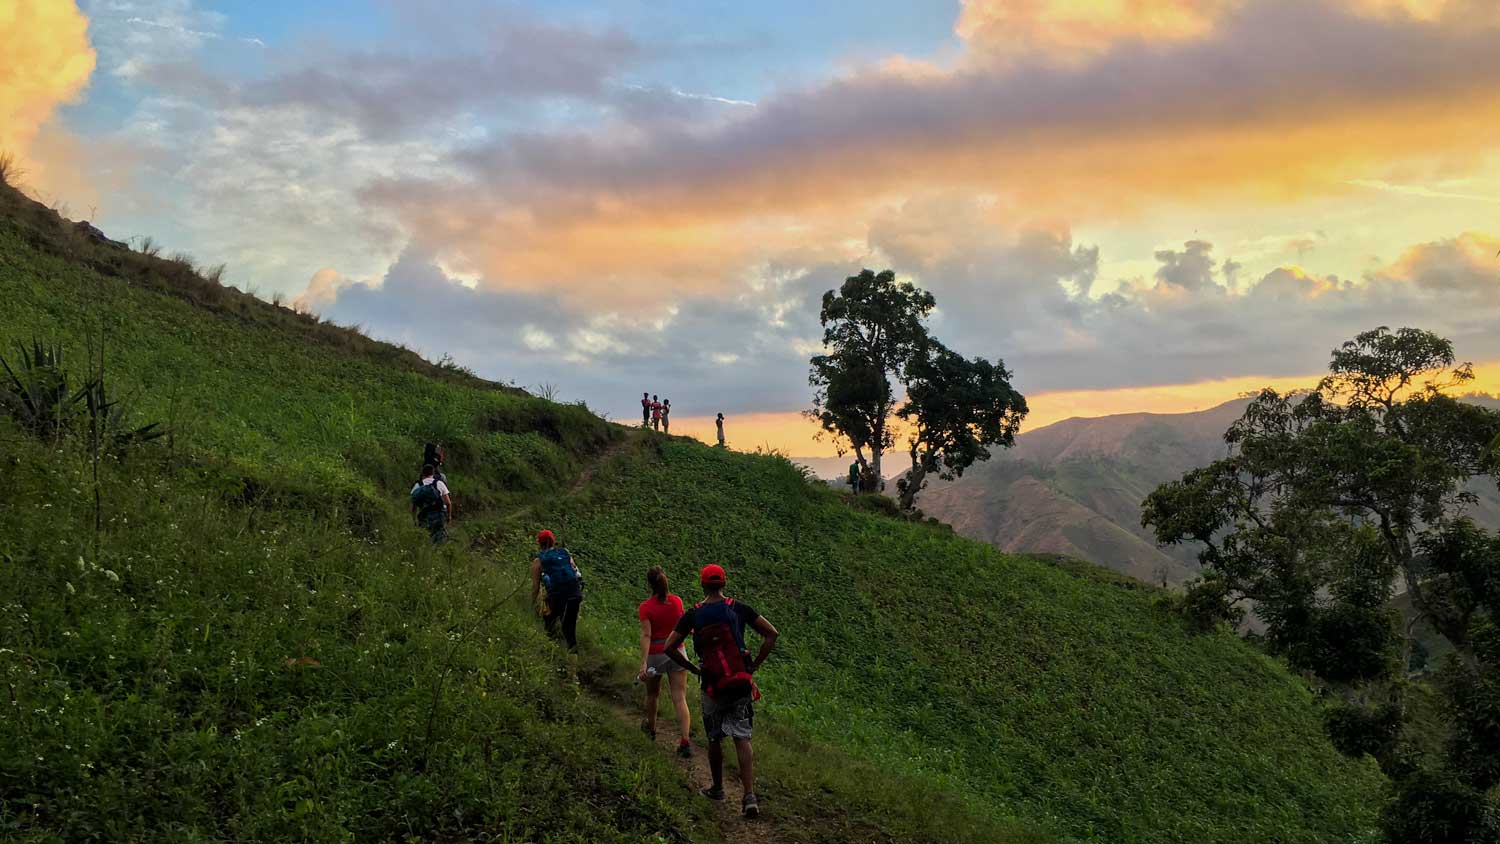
(645, 647)
(448, 502)
(768, 636)
(675, 653)
(536, 578)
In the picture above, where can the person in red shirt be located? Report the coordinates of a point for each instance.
(659, 615)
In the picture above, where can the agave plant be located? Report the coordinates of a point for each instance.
(36, 390)
(108, 420)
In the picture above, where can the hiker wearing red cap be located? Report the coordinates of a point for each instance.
(659, 615)
(553, 567)
(717, 625)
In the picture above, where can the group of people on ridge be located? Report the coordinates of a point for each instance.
(656, 413)
(717, 626)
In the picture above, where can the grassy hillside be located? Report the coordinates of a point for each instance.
(255, 643)
(1022, 688)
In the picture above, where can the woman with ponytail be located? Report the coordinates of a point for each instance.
(659, 614)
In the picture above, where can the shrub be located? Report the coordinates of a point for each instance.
(36, 393)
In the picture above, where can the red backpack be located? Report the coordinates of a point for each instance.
(719, 639)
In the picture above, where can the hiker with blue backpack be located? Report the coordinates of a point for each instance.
(717, 625)
(431, 504)
(554, 569)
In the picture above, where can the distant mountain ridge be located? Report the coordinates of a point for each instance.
(1075, 487)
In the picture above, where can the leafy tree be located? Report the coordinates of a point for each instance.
(956, 409)
(1326, 503)
(871, 327)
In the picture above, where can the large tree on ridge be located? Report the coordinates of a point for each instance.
(955, 410)
(871, 328)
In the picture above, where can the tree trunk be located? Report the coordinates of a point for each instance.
(914, 482)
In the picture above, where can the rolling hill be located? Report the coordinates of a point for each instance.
(1075, 488)
(236, 633)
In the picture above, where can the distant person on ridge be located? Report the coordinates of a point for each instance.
(432, 455)
(655, 414)
(431, 504)
(717, 625)
(659, 615)
(854, 477)
(553, 567)
(666, 415)
(719, 424)
(645, 410)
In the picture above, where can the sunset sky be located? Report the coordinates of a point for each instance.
(1137, 204)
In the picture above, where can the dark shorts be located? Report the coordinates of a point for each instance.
(733, 719)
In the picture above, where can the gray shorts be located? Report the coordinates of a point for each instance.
(733, 719)
(662, 664)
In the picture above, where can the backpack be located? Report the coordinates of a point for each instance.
(428, 498)
(719, 639)
(558, 569)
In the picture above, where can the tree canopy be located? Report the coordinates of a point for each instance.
(955, 410)
(1327, 504)
(874, 330)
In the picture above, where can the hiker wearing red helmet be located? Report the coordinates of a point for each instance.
(717, 625)
(553, 567)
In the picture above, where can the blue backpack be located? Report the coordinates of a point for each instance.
(428, 499)
(557, 568)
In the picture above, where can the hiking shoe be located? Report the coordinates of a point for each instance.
(750, 806)
(685, 749)
(712, 792)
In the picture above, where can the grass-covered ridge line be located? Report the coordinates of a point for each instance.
(256, 651)
(1028, 691)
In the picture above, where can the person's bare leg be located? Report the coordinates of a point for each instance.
(678, 681)
(747, 764)
(653, 694)
(716, 762)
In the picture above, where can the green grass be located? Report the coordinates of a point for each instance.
(263, 647)
(1023, 690)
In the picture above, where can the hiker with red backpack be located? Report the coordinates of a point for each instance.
(659, 615)
(432, 455)
(553, 567)
(717, 625)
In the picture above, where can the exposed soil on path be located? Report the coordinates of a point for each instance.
(735, 826)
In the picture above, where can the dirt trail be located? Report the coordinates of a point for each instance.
(735, 826)
(584, 478)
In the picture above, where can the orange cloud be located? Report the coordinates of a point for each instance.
(1072, 30)
(1273, 102)
(47, 63)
